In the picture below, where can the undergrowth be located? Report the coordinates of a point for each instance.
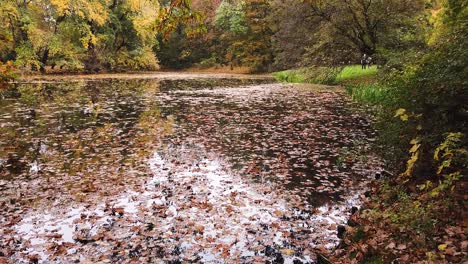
(316, 75)
(373, 94)
(351, 74)
(354, 72)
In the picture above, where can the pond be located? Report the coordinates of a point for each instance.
(178, 168)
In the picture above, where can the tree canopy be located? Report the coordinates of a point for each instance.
(123, 35)
(90, 35)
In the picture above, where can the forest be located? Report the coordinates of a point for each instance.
(414, 89)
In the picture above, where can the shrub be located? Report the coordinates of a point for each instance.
(373, 94)
(433, 88)
(7, 74)
(318, 75)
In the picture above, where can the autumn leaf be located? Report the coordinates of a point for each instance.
(287, 252)
(442, 247)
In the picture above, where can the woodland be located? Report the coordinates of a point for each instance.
(412, 98)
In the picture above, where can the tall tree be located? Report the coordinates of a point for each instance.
(87, 34)
(292, 34)
(339, 31)
(245, 33)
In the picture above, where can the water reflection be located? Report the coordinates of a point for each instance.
(90, 135)
(146, 153)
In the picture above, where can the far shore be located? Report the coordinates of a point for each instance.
(186, 74)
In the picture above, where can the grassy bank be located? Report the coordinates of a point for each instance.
(361, 84)
(328, 75)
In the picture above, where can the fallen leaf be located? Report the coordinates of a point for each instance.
(442, 247)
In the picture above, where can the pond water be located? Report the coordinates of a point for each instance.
(172, 168)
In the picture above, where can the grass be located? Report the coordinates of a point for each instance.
(360, 83)
(314, 75)
(326, 75)
(354, 72)
(290, 76)
(373, 93)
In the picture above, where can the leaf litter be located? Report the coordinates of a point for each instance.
(151, 173)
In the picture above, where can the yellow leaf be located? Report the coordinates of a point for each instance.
(287, 252)
(442, 247)
(404, 117)
(400, 112)
(414, 148)
(410, 164)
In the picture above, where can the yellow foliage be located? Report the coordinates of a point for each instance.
(90, 38)
(414, 151)
(62, 6)
(402, 114)
(144, 19)
(133, 5)
(88, 9)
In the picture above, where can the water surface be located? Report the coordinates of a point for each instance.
(204, 169)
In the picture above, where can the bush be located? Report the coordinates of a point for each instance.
(373, 94)
(318, 75)
(433, 89)
(353, 72)
(139, 59)
(207, 63)
(6, 75)
(26, 57)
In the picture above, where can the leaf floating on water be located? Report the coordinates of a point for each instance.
(198, 175)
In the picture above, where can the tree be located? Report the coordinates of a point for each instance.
(245, 33)
(431, 88)
(6, 75)
(256, 47)
(94, 35)
(292, 34)
(344, 30)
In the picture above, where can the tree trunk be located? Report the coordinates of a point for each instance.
(44, 59)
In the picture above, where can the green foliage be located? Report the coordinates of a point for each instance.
(338, 33)
(26, 56)
(245, 33)
(139, 59)
(91, 35)
(451, 158)
(290, 76)
(237, 34)
(369, 94)
(177, 52)
(403, 211)
(432, 87)
(353, 72)
(207, 63)
(451, 152)
(230, 17)
(317, 75)
(325, 75)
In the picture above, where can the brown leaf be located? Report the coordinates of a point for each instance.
(278, 213)
(450, 251)
(401, 247)
(200, 228)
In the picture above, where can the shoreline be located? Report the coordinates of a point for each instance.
(137, 75)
